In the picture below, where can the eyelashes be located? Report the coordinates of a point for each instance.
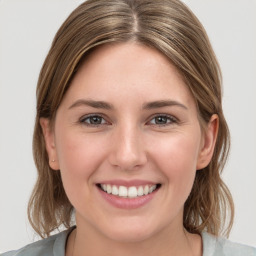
(163, 120)
(93, 120)
(96, 120)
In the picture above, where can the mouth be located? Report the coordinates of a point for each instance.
(129, 192)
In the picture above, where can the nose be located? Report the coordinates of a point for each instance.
(128, 150)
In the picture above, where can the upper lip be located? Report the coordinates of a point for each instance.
(128, 183)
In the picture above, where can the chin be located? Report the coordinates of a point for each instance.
(128, 232)
(129, 237)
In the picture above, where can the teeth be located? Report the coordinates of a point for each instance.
(132, 192)
(152, 188)
(122, 191)
(128, 192)
(146, 190)
(140, 191)
(115, 190)
(109, 189)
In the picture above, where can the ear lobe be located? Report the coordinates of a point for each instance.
(49, 139)
(208, 142)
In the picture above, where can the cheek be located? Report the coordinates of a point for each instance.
(77, 153)
(177, 150)
(79, 157)
(176, 157)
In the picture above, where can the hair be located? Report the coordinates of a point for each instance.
(169, 27)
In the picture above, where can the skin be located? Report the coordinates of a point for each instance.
(129, 143)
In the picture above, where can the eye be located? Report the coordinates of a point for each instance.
(93, 120)
(163, 120)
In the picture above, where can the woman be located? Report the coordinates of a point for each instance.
(130, 136)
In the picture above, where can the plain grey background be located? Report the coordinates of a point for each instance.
(27, 28)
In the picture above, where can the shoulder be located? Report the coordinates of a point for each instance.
(218, 246)
(53, 245)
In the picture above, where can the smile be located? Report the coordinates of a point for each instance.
(128, 192)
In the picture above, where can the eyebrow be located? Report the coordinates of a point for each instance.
(92, 103)
(108, 106)
(162, 104)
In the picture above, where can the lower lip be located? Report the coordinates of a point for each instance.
(127, 203)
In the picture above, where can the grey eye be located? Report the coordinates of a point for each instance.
(93, 120)
(162, 120)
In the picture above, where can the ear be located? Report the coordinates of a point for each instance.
(208, 142)
(49, 139)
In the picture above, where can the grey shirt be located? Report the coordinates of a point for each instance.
(55, 246)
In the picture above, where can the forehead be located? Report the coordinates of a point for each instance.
(128, 69)
(134, 53)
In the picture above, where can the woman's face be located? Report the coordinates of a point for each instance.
(128, 125)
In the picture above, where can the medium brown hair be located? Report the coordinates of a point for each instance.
(171, 28)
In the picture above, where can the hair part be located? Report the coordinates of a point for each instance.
(171, 28)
